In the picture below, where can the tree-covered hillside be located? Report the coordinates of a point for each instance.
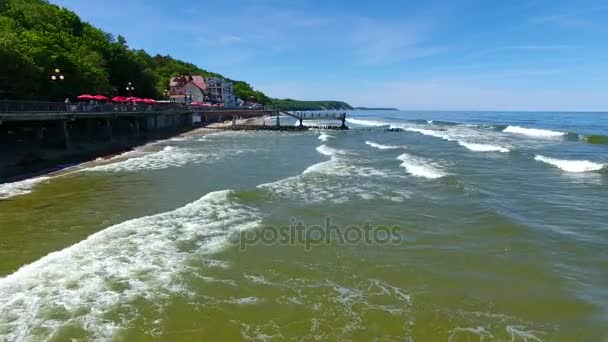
(37, 37)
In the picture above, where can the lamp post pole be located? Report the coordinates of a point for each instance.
(130, 88)
(57, 76)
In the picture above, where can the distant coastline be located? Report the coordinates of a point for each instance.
(371, 108)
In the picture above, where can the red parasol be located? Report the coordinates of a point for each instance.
(150, 101)
(135, 99)
(100, 97)
(119, 99)
(86, 97)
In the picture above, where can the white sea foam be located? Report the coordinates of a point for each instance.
(431, 132)
(479, 332)
(463, 137)
(169, 156)
(371, 123)
(327, 181)
(324, 136)
(518, 332)
(534, 132)
(383, 147)
(141, 259)
(483, 147)
(571, 165)
(328, 151)
(245, 301)
(421, 167)
(8, 190)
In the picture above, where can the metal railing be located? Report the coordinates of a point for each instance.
(313, 115)
(11, 106)
(33, 107)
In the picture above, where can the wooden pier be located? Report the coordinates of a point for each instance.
(301, 116)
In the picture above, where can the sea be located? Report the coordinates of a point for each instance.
(409, 226)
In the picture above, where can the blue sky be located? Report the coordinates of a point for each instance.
(475, 55)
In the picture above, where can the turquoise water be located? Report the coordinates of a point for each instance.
(423, 226)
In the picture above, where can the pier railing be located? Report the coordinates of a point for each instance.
(33, 107)
(13, 107)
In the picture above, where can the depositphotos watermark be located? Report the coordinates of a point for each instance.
(299, 234)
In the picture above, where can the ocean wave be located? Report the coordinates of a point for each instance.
(463, 137)
(335, 180)
(596, 139)
(367, 122)
(168, 157)
(483, 147)
(324, 136)
(328, 151)
(571, 165)
(83, 285)
(534, 132)
(420, 167)
(383, 147)
(8, 190)
(431, 132)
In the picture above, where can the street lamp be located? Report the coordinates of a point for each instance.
(57, 75)
(166, 92)
(130, 88)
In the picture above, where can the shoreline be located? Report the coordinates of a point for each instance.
(63, 162)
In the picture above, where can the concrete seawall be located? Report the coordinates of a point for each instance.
(39, 142)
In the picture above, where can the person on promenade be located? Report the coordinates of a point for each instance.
(67, 104)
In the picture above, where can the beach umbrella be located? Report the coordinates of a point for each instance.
(100, 97)
(86, 97)
(135, 99)
(150, 101)
(119, 99)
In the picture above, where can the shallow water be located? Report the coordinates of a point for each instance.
(454, 229)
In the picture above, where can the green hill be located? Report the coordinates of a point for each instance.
(37, 37)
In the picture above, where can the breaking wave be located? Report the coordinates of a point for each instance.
(8, 190)
(140, 259)
(383, 147)
(534, 132)
(571, 165)
(336, 180)
(472, 146)
(168, 157)
(328, 151)
(421, 167)
(483, 147)
(367, 122)
(324, 136)
(431, 132)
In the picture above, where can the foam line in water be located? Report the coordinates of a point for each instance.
(328, 151)
(168, 157)
(140, 259)
(431, 132)
(533, 132)
(571, 165)
(8, 190)
(483, 147)
(420, 167)
(370, 123)
(324, 136)
(383, 147)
